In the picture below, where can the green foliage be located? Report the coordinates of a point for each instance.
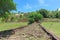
(5, 17)
(31, 20)
(34, 17)
(43, 12)
(56, 15)
(51, 14)
(12, 19)
(6, 6)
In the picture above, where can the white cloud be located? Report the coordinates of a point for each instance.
(27, 6)
(42, 3)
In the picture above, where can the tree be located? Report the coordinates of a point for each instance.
(43, 12)
(34, 17)
(56, 15)
(6, 17)
(6, 6)
(51, 14)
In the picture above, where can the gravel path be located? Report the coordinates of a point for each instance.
(32, 32)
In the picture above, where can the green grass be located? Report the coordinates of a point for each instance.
(11, 25)
(53, 27)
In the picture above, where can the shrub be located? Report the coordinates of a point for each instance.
(31, 20)
(34, 17)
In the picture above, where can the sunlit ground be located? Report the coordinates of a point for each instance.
(11, 25)
(52, 26)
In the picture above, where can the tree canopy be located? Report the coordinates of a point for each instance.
(34, 17)
(44, 12)
(6, 6)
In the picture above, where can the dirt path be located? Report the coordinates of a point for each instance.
(32, 32)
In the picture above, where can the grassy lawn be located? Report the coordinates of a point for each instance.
(53, 27)
(11, 25)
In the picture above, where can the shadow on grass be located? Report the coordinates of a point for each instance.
(5, 34)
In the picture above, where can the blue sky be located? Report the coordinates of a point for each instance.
(33, 5)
